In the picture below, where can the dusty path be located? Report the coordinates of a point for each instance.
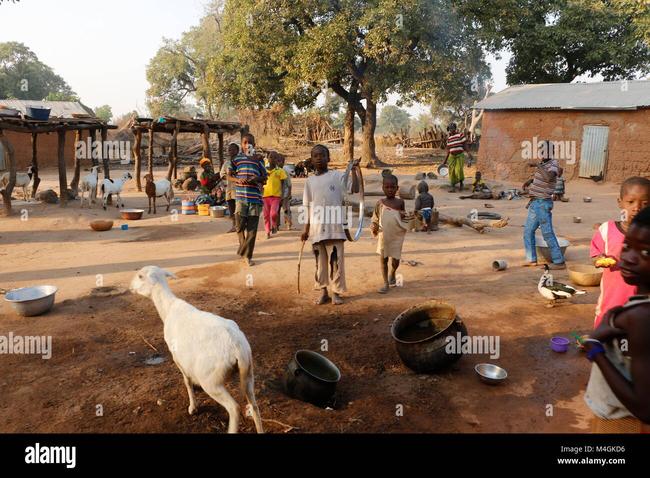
(99, 342)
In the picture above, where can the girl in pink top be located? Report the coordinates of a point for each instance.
(608, 241)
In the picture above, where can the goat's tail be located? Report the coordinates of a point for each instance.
(101, 189)
(247, 384)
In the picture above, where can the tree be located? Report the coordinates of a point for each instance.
(177, 74)
(556, 41)
(361, 50)
(24, 77)
(104, 113)
(393, 119)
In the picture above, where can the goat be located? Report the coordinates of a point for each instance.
(89, 184)
(158, 189)
(114, 186)
(23, 181)
(206, 348)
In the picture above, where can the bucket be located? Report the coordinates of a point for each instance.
(203, 209)
(39, 114)
(188, 208)
(312, 378)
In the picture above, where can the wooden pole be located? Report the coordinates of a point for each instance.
(220, 137)
(92, 134)
(63, 181)
(105, 158)
(74, 184)
(205, 137)
(37, 179)
(137, 153)
(171, 157)
(151, 151)
(11, 159)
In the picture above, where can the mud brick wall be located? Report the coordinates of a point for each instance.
(47, 149)
(500, 152)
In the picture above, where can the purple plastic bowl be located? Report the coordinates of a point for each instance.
(560, 344)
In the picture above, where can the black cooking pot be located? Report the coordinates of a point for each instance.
(312, 378)
(421, 332)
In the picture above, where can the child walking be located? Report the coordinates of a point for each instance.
(323, 196)
(607, 243)
(273, 194)
(618, 391)
(424, 205)
(388, 224)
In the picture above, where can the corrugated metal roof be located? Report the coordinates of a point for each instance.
(608, 95)
(59, 109)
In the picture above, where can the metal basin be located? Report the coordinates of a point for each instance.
(545, 252)
(30, 301)
(490, 373)
(421, 333)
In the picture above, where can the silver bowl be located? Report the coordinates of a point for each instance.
(544, 251)
(490, 373)
(30, 301)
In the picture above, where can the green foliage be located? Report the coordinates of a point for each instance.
(560, 40)
(178, 73)
(393, 119)
(24, 77)
(104, 113)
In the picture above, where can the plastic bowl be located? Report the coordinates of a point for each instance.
(560, 344)
(30, 301)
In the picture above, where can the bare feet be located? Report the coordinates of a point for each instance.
(247, 261)
(530, 264)
(232, 229)
(383, 289)
(337, 299)
(323, 299)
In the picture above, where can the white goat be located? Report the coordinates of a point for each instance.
(89, 184)
(23, 181)
(114, 186)
(156, 189)
(206, 348)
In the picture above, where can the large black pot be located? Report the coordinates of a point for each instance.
(312, 378)
(421, 332)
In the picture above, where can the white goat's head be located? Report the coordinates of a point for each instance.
(126, 176)
(147, 277)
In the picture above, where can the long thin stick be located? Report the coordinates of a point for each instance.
(302, 248)
(288, 428)
(147, 342)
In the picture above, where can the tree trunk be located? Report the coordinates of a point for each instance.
(137, 154)
(220, 137)
(205, 137)
(368, 154)
(11, 159)
(348, 134)
(74, 184)
(37, 179)
(63, 180)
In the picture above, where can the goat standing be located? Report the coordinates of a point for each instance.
(114, 186)
(206, 348)
(154, 189)
(89, 184)
(23, 181)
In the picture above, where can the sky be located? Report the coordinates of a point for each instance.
(101, 48)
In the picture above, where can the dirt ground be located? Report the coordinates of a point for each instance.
(100, 341)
